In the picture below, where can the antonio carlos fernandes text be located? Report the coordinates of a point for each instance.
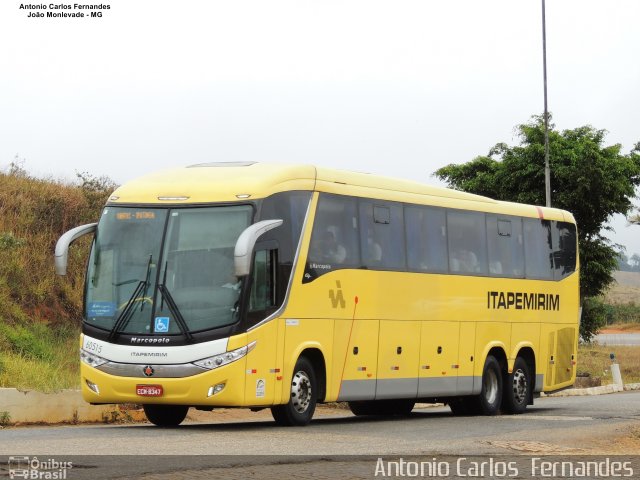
(535, 467)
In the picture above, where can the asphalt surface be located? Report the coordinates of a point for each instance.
(562, 425)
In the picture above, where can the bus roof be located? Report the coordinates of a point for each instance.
(234, 181)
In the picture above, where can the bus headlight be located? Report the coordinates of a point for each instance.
(225, 358)
(91, 359)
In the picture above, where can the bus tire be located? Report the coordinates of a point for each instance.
(166, 415)
(298, 411)
(382, 407)
(517, 388)
(490, 398)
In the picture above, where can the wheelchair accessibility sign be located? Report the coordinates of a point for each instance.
(161, 325)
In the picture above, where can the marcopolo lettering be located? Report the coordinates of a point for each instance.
(149, 340)
(522, 301)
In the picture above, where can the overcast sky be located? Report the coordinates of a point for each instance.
(398, 87)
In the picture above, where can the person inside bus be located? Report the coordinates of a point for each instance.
(330, 250)
(373, 248)
(495, 268)
(464, 260)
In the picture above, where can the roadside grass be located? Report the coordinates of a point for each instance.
(594, 359)
(622, 313)
(39, 358)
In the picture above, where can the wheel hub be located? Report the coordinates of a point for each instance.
(491, 386)
(519, 386)
(301, 392)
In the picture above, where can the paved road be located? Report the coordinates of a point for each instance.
(554, 425)
(632, 339)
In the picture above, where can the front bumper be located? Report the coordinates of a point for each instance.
(194, 390)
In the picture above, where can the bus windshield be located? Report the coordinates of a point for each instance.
(164, 271)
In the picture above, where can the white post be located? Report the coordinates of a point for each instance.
(615, 371)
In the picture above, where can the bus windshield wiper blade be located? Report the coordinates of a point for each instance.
(125, 315)
(166, 295)
(146, 282)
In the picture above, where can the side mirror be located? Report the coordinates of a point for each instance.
(62, 247)
(246, 242)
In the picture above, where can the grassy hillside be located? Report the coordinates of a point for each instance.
(40, 313)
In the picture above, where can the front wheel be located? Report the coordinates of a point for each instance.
(517, 388)
(298, 411)
(166, 415)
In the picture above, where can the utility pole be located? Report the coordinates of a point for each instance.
(547, 170)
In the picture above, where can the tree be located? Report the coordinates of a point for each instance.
(623, 263)
(591, 180)
(635, 219)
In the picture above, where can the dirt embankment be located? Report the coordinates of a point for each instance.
(625, 290)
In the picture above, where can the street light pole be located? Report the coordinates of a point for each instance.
(547, 170)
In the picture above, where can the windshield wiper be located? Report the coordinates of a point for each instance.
(128, 309)
(146, 282)
(166, 295)
(124, 316)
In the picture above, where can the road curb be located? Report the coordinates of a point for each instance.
(67, 406)
(602, 390)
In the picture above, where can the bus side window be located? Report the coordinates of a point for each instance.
(564, 249)
(291, 207)
(467, 242)
(426, 233)
(505, 245)
(537, 249)
(263, 282)
(334, 241)
(382, 235)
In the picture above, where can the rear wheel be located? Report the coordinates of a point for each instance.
(490, 398)
(382, 407)
(517, 388)
(166, 415)
(298, 411)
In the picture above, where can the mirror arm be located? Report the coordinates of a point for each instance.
(62, 246)
(246, 242)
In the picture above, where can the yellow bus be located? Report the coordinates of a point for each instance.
(280, 286)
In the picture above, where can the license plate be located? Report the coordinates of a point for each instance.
(149, 390)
